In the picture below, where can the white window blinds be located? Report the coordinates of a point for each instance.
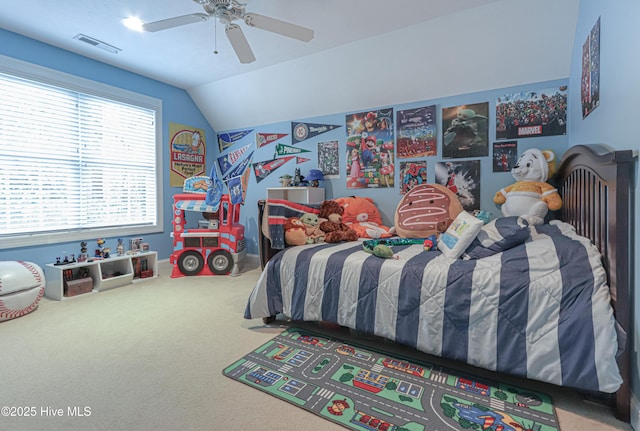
(74, 165)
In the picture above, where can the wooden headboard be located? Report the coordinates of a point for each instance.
(597, 193)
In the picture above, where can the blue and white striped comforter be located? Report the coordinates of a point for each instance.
(539, 310)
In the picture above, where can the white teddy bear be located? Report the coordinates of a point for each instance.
(531, 196)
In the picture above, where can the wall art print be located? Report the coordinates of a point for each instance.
(188, 149)
(527, 114)
(417, 132)
(590, 91)
(465, 131)
(463, 179)
(370, 149)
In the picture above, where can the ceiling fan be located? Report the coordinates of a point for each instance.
(228, 11)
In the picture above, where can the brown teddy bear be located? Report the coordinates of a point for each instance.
(332, 226)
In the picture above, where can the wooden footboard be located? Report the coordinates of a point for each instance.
(597, 192)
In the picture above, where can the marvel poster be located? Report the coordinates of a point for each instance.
(412, 174)
(370, 149)
(505, 155)
(533, 113)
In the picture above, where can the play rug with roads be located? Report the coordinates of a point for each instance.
(363, 389)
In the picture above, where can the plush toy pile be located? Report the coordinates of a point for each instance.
(332, 226)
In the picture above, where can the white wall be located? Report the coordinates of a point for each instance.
(506, 43)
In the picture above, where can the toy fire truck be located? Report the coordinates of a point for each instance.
(216, 246)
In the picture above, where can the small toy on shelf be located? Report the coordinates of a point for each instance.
(100, 249)
(120, 247)
(82, 257)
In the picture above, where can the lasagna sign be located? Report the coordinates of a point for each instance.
(188, 153)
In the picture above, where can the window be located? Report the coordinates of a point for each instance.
(78, 159)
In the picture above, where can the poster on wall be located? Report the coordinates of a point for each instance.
(417, 132)
(329, 159)
(412, 174)
(527, 114)
(466, 130)
(188, 150)
(463, 179)
(370, 149)
(590, 91)
(505, 155)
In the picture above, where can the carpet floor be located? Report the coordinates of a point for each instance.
(149, 356)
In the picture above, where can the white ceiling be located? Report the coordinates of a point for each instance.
(184, 57)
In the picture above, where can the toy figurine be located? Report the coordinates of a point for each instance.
(120, 247)
(297, 178)
(82, 257)
(100, 249)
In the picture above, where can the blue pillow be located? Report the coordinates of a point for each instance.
(497, 236)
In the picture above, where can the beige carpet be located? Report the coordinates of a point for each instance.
(149, 357)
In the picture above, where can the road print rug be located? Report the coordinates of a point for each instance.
(363, 389)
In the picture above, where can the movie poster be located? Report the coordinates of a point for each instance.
(329, 159)
(412, 174)
(188, 150)
(505, 155)
(370, 149)
(463, 179)
(590, 91)
(529, 114)
(466, 130)
(417, 132)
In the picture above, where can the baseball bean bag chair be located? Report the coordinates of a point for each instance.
(21, 288)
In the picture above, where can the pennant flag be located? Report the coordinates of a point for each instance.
(244, 180)
(214, 192)
(226, 161)
(235, 190)
(265, 168)
(301, 160)
(239, 169)
(304, 131)
(263, 139)
(225, 140)
(285, 150)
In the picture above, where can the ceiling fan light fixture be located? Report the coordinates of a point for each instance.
(133, 23)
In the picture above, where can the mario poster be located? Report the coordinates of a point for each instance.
(370, 149)
(188, 150)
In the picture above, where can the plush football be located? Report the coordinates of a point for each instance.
(426, 210)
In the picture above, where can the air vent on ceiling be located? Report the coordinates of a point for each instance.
(97, 43)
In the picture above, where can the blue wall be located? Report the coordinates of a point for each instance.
(178, 107)
(614, 121)
(386, 198)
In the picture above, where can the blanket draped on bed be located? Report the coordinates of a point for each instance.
(539, 310)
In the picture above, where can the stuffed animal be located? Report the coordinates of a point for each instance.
(311, 224)
(531, 196)
(333, 227)
(361, 215)
(294, 232)
(425, 210)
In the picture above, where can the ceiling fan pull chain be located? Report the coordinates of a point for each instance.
(215, 37)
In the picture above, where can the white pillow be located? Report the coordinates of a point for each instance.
(455, 240)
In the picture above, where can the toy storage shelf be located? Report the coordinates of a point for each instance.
(303, 195)
(106, 274)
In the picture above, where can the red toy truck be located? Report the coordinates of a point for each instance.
(216, 246)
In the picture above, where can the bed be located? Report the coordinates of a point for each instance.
(553, 307)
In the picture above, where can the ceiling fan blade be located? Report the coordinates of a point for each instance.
(277, 26)
(177, 21)
(239, 43)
